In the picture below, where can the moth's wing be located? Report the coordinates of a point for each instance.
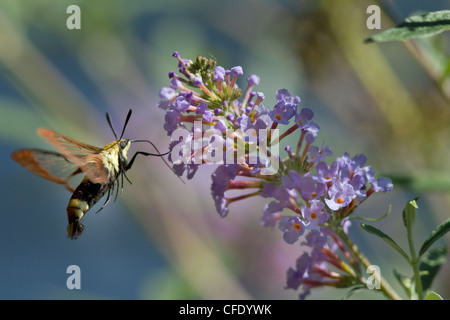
(46, 164)
(87, 157)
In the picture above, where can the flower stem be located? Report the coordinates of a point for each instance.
(414, 264)
(385, 287)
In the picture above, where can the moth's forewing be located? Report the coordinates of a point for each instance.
(87, 157)
(48, 165)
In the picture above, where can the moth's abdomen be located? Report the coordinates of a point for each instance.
(74, 229)
(86, 195)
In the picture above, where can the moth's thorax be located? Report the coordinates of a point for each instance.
(111, 156)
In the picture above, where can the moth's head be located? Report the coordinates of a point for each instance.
(124, 145)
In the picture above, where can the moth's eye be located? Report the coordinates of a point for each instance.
(123, 144)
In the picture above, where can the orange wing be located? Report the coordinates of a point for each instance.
(49, 165)
(87, 157)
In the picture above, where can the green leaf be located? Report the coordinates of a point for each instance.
(430, 264)
(386, 238)
(404, 281)
(424, 25)
(440, 230)
(352, 291)
(433, 296)
(372, 219)
(409, 213)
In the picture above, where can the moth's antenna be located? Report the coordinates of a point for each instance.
(126, 122)
(110, 125)
(108, 118)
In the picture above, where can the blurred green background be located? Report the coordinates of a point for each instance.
(163, 239)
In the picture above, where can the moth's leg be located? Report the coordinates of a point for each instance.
(108, 197)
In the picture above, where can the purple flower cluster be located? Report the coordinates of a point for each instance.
(309, 197)
(334, 190)
(312, 269)
(207, 95)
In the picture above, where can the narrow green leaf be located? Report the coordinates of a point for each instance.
(430, 264)
(440, 231)
(372, 219)
(424, 25)
(352, 291)
(433, 296)
(404, 281)
(386, 238)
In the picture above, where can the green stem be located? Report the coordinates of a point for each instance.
(385, 287)
(415, 264)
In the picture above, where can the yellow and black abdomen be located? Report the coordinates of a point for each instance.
(86, 195)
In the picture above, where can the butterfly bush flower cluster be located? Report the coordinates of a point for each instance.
(309, 198)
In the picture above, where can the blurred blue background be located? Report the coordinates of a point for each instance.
(163, 239)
